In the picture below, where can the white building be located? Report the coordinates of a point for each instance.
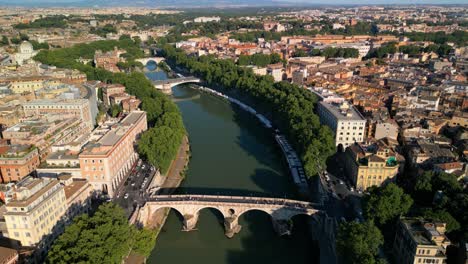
(276, 70)
(206, 19)
(25, 53)
(344, 120)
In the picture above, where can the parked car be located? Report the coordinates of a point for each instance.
(126, 196)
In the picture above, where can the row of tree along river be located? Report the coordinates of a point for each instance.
(232, 154)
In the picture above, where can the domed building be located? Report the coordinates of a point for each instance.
(25, 53)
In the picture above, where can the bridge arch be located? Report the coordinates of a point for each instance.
(155, 211)
(254, 210)
(218, 209)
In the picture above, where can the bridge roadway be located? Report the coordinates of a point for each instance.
(231, 207)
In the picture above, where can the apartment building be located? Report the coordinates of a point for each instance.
(276, 71)
(106, 160)
(34, 209)
(370, 166)
(108, 60)
(77, 107)
(420, 241)
(77, 194)
(110, 90)
(344, 120)
(17, 162)
(26, 84)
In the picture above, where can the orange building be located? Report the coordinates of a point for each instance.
(17, 162)
(105, 162)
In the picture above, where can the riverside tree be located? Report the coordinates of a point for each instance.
(105, 237)
(358, 243)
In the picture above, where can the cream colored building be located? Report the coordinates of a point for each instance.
(344, 120)
(33, 211)
(366, 167)
(38, 209)
(420, 241)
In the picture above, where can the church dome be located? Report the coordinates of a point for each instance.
(26, 47)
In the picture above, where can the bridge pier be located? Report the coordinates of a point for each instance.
(190, 221)
(231, 226)
(282, 226)
(167, 89)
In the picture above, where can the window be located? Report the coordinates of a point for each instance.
(28, 234)
(16, 234)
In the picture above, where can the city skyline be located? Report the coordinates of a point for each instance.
(219, 3)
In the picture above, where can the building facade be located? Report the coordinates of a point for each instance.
(420, 241)
(105, 162)
(33, 211)
(77, 107)
(17, 162)
(344, 120)
(365, 168)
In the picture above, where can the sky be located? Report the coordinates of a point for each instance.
(187, 3)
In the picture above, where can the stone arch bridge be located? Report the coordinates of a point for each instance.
(145, 61)
(166, 85)
(231, 207)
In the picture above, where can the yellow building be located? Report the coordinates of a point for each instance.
(370, 166)
(37, 210)
(34, 207)
(30, 84)
(420, 241)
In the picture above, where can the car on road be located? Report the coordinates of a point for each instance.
(133, 184)
(126, 196)
(341, 182)
(351, 188)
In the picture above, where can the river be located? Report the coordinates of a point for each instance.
(232, 154)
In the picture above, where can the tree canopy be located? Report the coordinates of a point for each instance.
(386, 203)
(358, 243)
(105, 237)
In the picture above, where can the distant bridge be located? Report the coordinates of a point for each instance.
(166, 85)
(145, 61)
(231, 207)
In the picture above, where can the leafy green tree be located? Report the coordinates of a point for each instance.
(384, 204)
(115, 110)
(446, 182)
(300, 53)
(45, 22)
(15, 40)
(145, 239)
(4, 41)
(167, 141)
(106, 237)
(423, 187)
(23, 37)
(358, 243)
